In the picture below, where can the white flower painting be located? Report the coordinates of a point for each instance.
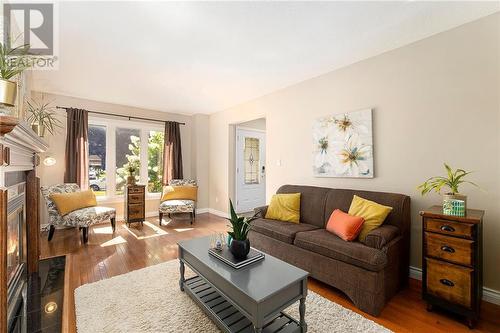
(343, 145)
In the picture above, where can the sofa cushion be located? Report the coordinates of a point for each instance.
(355, 253)
(312, 203)
(399, 216)
(373, 213)
(283, 231)
(381, 236)
(284, 207)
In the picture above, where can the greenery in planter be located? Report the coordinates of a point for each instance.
(131, 169)
(13, 61)
(452, 180)
(240, 225)
(43, 115)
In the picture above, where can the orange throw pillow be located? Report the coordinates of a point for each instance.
(344, 225)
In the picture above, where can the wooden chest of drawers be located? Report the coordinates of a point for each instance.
(452, 261)
(135, 201)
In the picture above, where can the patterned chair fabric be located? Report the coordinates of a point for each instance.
(178, 206)
(79, 218)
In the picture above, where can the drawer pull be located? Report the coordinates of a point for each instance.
(447, 228)
(447, 282)
(447, 248)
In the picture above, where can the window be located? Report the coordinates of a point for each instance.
(97, 159)
(115, 145)
(128, 154)
(155, 161)
(252, 160)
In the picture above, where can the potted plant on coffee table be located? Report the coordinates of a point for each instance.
(13, 61)
(42, 116)
(240, 226)
(452, 180)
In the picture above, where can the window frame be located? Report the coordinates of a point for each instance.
(111, 124)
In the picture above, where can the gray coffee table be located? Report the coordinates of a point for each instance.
(246, 300)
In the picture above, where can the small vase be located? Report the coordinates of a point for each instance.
(450, 196)
(38, 129)
(131, 180)
(240, 248)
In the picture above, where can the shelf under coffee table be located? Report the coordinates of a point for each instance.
(249, 299)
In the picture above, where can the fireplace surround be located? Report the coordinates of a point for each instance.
(19, 220)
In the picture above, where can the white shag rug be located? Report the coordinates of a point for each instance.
(149, 300)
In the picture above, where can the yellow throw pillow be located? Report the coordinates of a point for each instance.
(373, 213)
(180, 193)
(284, 207)
(69, 202)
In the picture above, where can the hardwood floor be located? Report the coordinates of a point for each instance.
(108, 255)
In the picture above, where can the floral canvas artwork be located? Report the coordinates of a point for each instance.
(343, 145)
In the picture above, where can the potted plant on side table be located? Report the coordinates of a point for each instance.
(131, 170)
(452, 180)
(239, 244)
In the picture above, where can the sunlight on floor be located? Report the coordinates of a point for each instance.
(146, 232)
(183, 229)
(114, 241)
(103, 230)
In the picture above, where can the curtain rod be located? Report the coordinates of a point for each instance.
(122, 116)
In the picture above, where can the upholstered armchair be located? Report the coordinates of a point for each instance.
(179, 196)
(81, 218)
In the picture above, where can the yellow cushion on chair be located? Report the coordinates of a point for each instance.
(69, 202)
(284, 207)
(180, 193)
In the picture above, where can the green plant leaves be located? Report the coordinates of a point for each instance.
(12, 64)
(453, 180)
(43, 114)
(240, 225)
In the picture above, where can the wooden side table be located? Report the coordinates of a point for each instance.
(135, 201)
(452, 261)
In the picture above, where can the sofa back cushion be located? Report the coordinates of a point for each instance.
(312, 203)
(399, 216)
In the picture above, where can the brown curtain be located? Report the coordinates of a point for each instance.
(77, 149)
(172, 154)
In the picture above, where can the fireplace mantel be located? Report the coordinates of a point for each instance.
(19, 149)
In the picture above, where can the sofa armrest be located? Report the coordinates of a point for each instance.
(379, 237)
(260, 211)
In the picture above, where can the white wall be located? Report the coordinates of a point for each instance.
(434, 101)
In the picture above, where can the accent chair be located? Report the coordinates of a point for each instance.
(81, 218)
(179, 196)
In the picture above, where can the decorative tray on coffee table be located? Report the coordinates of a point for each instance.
(227, 257)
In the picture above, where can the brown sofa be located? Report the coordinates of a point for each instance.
(369, 273)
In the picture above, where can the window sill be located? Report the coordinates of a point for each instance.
(119, 198)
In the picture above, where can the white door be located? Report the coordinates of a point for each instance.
(250, 169)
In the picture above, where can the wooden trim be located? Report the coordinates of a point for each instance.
(472, 216)
(67, 294)
(7, 124)
(3, 261)
(32, 221)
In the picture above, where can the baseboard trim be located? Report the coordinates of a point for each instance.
(489, 295)
(218, 212)
(202, 210)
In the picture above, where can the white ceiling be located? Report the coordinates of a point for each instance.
(203, 57)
